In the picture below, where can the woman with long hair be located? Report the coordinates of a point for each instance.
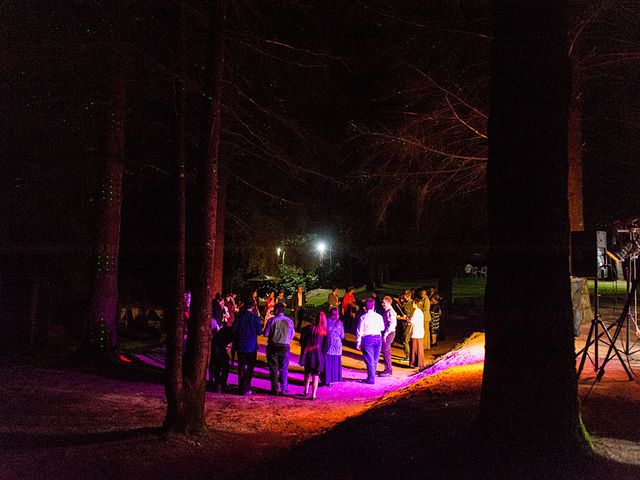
(311, 353)
(270, 303)
(333, 349)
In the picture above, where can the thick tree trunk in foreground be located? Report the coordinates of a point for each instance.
(529, 404)
(104, 292)
(175, 332)
(199, 331)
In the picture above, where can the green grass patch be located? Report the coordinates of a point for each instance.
(319, 296)
(469, 287)
(609, 288)
(397, 288)
(463, 288)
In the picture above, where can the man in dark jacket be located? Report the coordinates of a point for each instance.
(246, 328)
(390, 321)
(220, 359)
(296, 304)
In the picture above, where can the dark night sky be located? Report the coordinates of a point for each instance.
(354, 65)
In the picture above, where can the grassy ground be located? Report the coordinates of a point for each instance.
(463, 288)
(467, 287)
(609, 288)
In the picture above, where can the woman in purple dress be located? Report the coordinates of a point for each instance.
(311, 353)
(333, 349)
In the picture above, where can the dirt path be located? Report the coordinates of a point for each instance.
(61, 424)
(66, 424)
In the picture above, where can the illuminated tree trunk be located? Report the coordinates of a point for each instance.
(529, 404)
(175, 334)
(199, 331)
(219, 251)
(104, 292)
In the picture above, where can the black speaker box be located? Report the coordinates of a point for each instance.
(588, 251)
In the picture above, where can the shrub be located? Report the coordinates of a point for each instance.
(292, 277)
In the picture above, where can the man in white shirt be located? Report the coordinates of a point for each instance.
(390, 322)
(369, 340)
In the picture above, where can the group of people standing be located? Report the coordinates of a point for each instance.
(296, 303)
(320, 342)
(417, 320)
(415, 325)
(421, 314)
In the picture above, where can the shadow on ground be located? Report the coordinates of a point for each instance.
(422, 434)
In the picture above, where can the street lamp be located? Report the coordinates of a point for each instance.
(321, 248)
(280, 254)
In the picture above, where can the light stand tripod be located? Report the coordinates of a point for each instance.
(598, 330)
(632, 274)
(628, 250)
(621, 320)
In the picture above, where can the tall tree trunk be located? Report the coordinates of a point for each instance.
(576, 211)
(219, 251)
(199, 336)
(175, 334)
(529, 403)
(104, 293)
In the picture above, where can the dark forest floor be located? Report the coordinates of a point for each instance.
(61, 423)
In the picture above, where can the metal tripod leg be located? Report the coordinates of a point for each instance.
(613, 348)
(616, 334)
(593, 332)
(585, 351)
